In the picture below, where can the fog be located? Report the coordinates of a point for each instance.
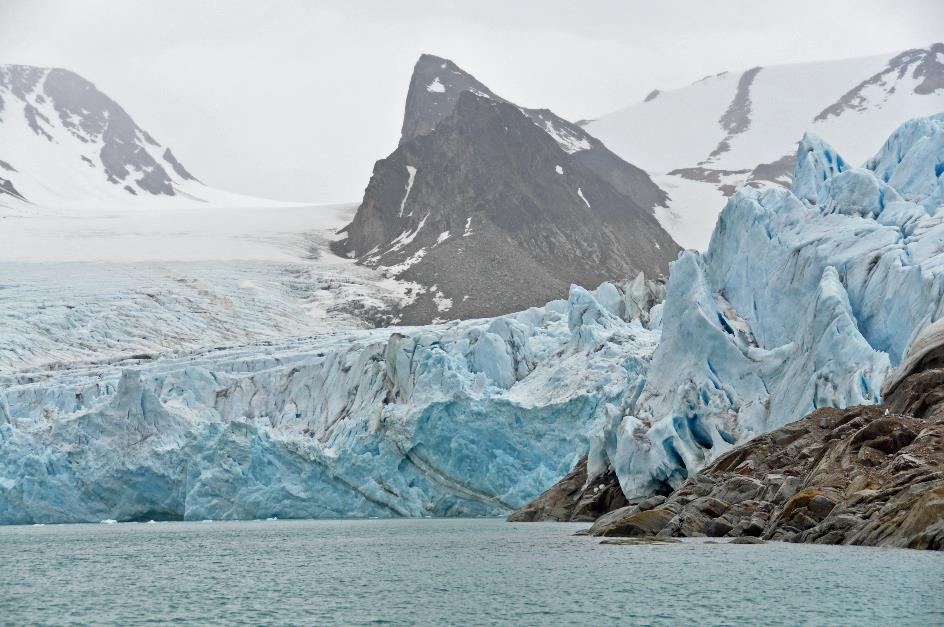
(296, 100)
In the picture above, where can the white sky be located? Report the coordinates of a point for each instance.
(296, 100)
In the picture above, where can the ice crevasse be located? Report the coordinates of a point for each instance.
(804, 298)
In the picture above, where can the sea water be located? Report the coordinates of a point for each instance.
(456, 571)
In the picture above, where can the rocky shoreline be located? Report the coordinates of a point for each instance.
(865, 475)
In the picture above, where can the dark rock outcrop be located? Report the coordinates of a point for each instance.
(492, 212)
(924, 65)
(434, 91)
(870, 475)
(572, 499)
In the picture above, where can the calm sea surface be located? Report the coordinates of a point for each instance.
(444, 571)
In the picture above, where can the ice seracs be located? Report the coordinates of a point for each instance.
(797, 304)
(465, 418)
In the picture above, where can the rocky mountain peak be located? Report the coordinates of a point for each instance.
(494, 210)
(434, 91)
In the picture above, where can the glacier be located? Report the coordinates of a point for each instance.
(805, 298)
(465, 418)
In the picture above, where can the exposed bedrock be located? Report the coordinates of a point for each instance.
(869, 475)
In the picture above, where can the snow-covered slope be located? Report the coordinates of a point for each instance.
(105, 285)
(702, 141)
(65, 144)
(802, 300)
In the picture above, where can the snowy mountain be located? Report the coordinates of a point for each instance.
(703, 141)
(805, 298)
(110, 248)
(494, 208)
(65, 144)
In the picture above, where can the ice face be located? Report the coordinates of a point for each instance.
(816, 163)
(804, 299)
(467, 418)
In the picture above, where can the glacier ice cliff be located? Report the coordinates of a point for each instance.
(804, 299)
(465, 418)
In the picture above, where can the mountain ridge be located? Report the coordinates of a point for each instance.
(490, 212)
(66, 144)
(702, 141)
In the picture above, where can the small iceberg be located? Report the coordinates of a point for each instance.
(109, 521)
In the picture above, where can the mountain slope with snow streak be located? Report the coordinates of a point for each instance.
(65, 144)
(494, 208)
(702, 141)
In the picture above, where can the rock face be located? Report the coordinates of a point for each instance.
(572, 499)
(434, 92)
(871, 475)
(491, 208)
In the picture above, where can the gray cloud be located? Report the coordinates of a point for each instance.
(296, 100)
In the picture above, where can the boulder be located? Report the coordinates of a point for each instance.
(647, 523)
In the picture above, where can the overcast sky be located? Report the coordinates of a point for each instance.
(295, 100)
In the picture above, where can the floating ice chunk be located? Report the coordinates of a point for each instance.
(559, 169)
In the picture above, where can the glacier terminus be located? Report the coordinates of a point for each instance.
(805, 298)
